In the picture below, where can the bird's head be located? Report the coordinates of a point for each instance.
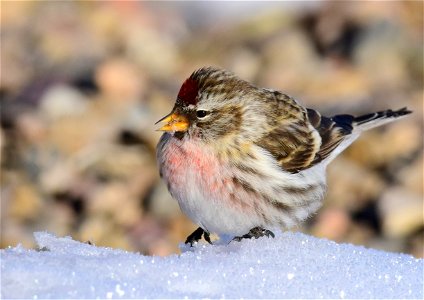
(209, 106)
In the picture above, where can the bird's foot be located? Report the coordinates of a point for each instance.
(255, 232)
(197, 235)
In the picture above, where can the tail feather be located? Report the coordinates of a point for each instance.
(339, 131)
(379, 118)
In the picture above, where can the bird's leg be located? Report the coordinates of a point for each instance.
(197, 235)
(255, 232)
(207, 237)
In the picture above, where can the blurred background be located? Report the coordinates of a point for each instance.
(83, 82)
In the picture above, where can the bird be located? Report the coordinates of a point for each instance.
(241, 160)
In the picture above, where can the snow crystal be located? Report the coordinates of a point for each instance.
(292, 265)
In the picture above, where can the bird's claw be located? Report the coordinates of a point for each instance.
(197, 235)
(255, 232)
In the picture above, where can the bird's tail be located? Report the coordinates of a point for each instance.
(379, 118)
(339, 131)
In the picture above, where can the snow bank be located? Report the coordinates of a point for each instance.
(292, 265)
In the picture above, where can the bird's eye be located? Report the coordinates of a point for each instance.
(201, 114)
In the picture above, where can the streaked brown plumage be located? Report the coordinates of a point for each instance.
(239, 158)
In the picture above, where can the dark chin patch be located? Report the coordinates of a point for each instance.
(179, 135)
(188, 92)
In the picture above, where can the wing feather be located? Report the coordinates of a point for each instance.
(291, 139)
(301, 138)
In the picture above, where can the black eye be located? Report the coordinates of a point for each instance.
(201, 114)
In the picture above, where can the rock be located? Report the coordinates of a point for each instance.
(401, 211)
(115, 201)
(26, 204)
(59, 177)
(387, 145)
(62, 101)
(101, 232)
(119, 80)
(332, 223)
(411, 176)
(351, 185)
(32, 127)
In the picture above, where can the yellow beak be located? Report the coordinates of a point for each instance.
(174, 122)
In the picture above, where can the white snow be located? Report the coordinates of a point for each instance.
(292, 265)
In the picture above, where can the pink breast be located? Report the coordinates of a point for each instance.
(188, 167)
(183, 162)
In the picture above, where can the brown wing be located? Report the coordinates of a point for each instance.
(290, 139)
(300, 138)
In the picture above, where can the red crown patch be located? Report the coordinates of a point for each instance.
(188, 92)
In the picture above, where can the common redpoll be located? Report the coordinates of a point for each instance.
(240, 159)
